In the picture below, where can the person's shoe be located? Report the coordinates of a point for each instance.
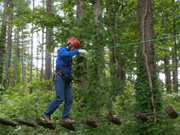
(69, 121)
(47, 119)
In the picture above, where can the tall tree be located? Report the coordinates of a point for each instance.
(48, 45)
(23, 61)
(42, 49)
(32, 37)
(3, 39)
(167, 74)
(146, 49)
(174, 57)
(166, 57)
(16, 56)
(98, 63)
(116, 69)
(147, 91)
(9, 44)
(82, 81)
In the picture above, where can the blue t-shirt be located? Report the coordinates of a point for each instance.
(64, 58)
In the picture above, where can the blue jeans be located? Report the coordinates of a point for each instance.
(63, 93)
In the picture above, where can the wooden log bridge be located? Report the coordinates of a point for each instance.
(171, 112)
(67, 125)
(45, 124)
(140, 116)
(113, 119)
(8, 123)
(27, 123)
(91, 123)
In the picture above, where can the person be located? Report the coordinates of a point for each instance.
(62, 88)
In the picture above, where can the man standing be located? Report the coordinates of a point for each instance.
(63, 79)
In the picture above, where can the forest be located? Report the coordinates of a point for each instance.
(127, 84)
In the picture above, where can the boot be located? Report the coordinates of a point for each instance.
(69, 121)
(47, 119)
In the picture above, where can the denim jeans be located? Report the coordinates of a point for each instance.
(63, 93)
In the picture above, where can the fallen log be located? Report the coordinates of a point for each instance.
(8, 123)
(45, 124)
(140, 116)
(113, 119)
(67, 125)
(91, 123)
(27, 123)
(171, 112)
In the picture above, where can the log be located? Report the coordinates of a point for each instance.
(140, 116)
(171, 112)
(8, 123)
(45, 124)
(113, 119)
(67, 125)
(89, 122)
(27, 123)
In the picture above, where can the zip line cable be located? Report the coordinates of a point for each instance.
(168, 17)
(129, 44)
(38, 57)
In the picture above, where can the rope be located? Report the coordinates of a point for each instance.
(157, 39)
(165, 17)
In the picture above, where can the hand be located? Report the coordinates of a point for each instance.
(72, 84)
(82, 51)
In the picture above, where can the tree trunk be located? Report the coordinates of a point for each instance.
(16, 56)
(23, 63)
(48, 46)
(79, 11)
(146, 49)
(175, 60)
(114, 60)
(83, 78)
(42, 58)
(31, 66)
(99, 59)
(3, 40)
(9, 46)
(167, 74)
(166, 67)
(42, 49)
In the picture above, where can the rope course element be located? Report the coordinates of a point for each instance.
(39, 57)
(170, 111)
(135, 22)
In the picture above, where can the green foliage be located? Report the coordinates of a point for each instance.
(144, 104)
(103, 91)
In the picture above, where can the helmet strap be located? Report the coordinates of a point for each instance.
(69, 46)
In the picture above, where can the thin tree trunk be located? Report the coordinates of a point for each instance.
(32, 45)
(23, 63)
(3, 40)
(166, 67)
(167, 74)
(37, 65)
(42, 53)
(114, 59)
(16, 56)
(175, 60)
(9, 46)
(42, 62)
(48, 46)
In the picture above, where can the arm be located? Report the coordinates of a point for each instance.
(63, 52)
